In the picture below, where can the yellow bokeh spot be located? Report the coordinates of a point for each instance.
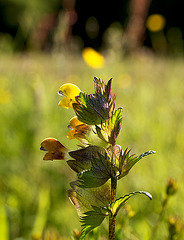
(155, 22)
(93, 58)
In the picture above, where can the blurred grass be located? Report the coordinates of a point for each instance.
(33, 192)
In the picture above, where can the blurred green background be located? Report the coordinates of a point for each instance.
(148, 82)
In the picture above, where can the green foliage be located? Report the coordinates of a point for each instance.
(84, 199)
(153, 113)
(101, 168)
(109, 131)
(127, 161)
(95, 108)
(91, 220)
(120, 202)
(95, 217)
(106, 91)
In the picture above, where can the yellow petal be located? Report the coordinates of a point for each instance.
(69, 90)
(74, 122)
(71, 134)
(79, 130)
(66, 103)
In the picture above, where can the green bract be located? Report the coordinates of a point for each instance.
(95, 108)
(93, 166)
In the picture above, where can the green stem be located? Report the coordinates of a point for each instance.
(112, 218)
(160, 217)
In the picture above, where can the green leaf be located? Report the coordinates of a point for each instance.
(100, 85)
(101, 170)
(106, 90)
(92, 165)
(127, 161)
(120, 202)
(82, 159)
(91, 220)
(109, 130)
(84, 198)
(91, 109)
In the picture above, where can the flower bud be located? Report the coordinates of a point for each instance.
(172, 187)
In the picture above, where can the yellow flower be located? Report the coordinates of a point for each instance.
(93, 58)
(84, 133)
(54, 149)
(79, 130)
(69, 91)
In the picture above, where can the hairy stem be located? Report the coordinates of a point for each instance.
(112, 218)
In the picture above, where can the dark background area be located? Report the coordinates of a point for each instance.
(33, 25)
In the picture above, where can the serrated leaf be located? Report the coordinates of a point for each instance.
(91, 109)
(127, 161)
(102, 169)
(100, 85)
(115, 125)
(120, 202)
(109, 130)
(91, 220)
(105, 89)
(146, 154)
(92, 165)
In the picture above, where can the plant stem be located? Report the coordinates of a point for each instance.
(112, 218)
(160, 217)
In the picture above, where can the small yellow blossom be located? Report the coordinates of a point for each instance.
(79, 130)
(69, 91)
(93, 58)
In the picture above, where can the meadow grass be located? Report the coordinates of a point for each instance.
(33, 192)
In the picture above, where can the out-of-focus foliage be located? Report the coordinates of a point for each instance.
(22, 20)
(33, 194)
(58, 24)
